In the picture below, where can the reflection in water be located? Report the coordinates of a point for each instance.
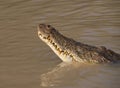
(50, 78)
(84, 76)
(95, 22)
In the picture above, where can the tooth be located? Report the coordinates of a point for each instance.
(59, 49)
(61, 52)
(65, 52)
(48, 37)
(56, 46)
(68, 53)
(71, 56)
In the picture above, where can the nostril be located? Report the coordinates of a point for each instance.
(48, 26)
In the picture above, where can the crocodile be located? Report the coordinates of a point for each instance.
(69, 50)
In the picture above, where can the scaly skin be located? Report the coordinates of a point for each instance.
(71, 51)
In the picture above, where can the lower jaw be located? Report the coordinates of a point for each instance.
(63, 55)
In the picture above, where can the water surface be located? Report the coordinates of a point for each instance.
(26, 62)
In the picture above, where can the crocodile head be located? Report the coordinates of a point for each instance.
(56, 41)
(44, 32)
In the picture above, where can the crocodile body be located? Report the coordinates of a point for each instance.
(70, 50)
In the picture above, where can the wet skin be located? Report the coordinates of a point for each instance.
(70, 50)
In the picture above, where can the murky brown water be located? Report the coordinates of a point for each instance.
(26, 62)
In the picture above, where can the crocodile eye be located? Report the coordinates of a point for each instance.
(48, 26)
